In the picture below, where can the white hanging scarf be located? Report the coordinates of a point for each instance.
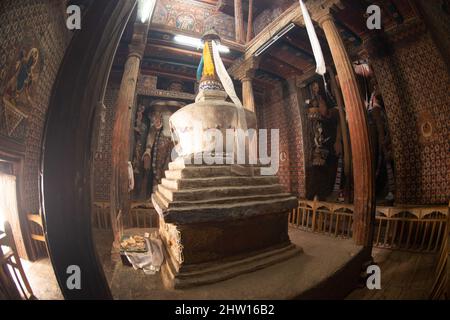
(228, 85)
(315, 44)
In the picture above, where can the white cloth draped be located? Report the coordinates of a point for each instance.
(150, 262)
(228, 85)
(315, 44)
(130, 177)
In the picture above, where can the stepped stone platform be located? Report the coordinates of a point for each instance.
(220, 221)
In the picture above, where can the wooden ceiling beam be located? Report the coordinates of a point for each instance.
(278, 67)
(166, 74)
(291, 55)
(176, 52)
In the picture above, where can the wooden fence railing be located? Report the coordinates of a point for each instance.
(324, 218)
(141, 216)
(405, 228)
(441, 285)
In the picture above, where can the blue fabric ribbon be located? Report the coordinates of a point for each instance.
(200, 70)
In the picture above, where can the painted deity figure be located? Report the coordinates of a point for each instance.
(23, 78)
(147, 159)
(381, 146)
(326, 146)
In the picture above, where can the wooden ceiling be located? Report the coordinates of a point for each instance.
(292, 55)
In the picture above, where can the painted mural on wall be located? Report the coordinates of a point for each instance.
(20, 77)
(192, 17)
(417, 108)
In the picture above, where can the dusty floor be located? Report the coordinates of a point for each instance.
(322, 257)
(42, 279)
(404, 276)
(103, 242)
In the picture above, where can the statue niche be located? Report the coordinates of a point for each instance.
(152, 145)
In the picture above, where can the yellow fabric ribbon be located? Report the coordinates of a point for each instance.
(208, 68)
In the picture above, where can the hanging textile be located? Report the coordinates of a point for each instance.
(130, 177)
(208, 63)
(200, 69)
(228, 85)
(315, 44)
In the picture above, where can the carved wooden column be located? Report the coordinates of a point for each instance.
(247, 92)
(344, 130)
(244, 71)
(239, 21)
(364, 206)
(120, 194)
(250, 21)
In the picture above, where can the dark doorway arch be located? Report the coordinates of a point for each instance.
(66, 149)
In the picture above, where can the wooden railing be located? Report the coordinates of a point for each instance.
(441, 285)
(405, 228)
(328, 218)
(141, 216)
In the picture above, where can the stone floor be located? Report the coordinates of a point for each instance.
(42, 279)
(404, 276)
(103, 242)
(322, 257)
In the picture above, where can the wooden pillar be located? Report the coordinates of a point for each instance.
(250, 21)
(360, 144)
(247, 93)
(120, 195)
(344, 130)
(239, 21)
(244, 71)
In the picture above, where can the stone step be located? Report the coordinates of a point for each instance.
(183, 184)
(192, 172)
(223, 212)
(212, 268)
(217, 201)
(221, 192)
(197, 275)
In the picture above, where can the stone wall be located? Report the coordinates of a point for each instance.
(30, 31)
(414, 82)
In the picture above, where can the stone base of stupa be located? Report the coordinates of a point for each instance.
(220, 221)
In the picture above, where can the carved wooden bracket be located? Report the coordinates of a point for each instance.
(242, 69)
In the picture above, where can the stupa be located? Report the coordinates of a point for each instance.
(219, 220)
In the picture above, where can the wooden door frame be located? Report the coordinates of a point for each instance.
(67, 146)
(14, 154)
